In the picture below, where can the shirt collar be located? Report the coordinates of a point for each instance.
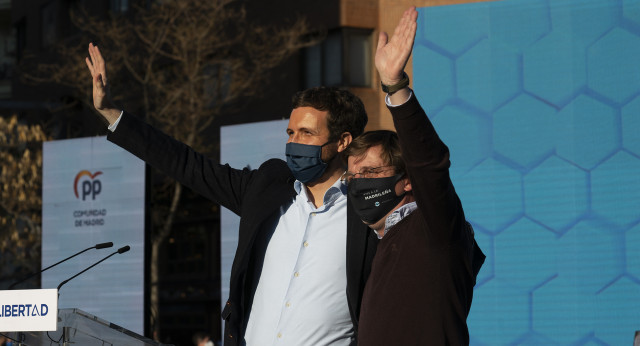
(397, 216)
(337, 190)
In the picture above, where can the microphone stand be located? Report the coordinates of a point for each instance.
(120, 250)
(97, 246)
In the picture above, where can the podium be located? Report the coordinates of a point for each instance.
(76, 327)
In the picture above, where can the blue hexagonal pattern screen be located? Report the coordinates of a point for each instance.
(539, 102)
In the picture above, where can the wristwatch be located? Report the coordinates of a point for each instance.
(390, 89)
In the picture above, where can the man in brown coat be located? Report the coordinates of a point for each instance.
(420, 288)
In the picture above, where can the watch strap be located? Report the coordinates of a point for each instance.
(403, 83)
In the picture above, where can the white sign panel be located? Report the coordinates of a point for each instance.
(94, 192)
(28, 310)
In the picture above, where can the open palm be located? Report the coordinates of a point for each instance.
(392, 55)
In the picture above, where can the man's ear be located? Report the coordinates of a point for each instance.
(407, 184)
(344, 141)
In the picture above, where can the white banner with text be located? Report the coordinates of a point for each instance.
(28, 310)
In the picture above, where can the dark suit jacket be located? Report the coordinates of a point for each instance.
(256, 196)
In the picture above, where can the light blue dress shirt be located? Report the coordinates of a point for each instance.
(301, 296)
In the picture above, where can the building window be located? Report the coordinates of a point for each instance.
(21, 38)
(119, 6)
(217, 82)
(342, 59)
(49, 24)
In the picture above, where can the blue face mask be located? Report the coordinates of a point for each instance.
(305, 161)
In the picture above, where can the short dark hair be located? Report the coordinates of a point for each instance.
(388, 141)
(346, 111)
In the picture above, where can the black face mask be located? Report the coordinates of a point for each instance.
(373, 198)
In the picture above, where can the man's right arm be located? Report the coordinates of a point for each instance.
(112, 127)
(101, 96)
(219, 183)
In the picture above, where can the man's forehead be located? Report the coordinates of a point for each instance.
(307, 117)
(308, 113)
(372, 157)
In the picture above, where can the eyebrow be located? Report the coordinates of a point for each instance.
(369, 167)
(304, 129)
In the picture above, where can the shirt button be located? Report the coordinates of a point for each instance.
(279, 335)
(296, 274)
(306, 243)
(288, 304)
(313, 214)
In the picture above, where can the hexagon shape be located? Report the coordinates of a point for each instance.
(618, 312)
(519, 259)
(556, 193)
(610, 72)
(509, 311)
(517, 25)
(562, 312)
(583, 23)
(491, 194)
(631, 126)
(587, 132)
(466, 134)
(632, 242)
(438, 80)
(446, 29)
(523, 130)
(589, 258)
(631, 10)
(488, 75)
(546, 65)
(615, 189)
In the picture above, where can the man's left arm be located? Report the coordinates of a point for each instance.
(425, 155)
(427, 162)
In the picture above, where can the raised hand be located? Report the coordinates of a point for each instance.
(101, 96)
(392, 55)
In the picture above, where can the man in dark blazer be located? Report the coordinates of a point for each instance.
(302, 252)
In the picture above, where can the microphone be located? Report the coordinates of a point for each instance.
(97, 246)
(120, 251)
(104, 245)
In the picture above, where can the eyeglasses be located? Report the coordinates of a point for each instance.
(365, 173)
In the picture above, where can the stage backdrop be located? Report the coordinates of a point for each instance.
(93, 192)
(539, 102)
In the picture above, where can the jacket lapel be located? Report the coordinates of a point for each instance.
(360, 250)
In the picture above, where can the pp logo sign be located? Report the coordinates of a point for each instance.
(90, 187)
